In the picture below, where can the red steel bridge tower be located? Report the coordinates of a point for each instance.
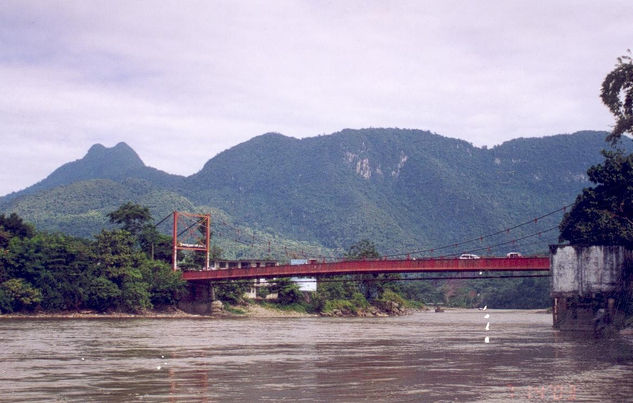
(195, 236)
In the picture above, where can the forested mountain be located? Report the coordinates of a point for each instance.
(76, 197)
(117, 163)
(402, 189)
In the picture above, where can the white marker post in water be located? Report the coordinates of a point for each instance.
(487, 316)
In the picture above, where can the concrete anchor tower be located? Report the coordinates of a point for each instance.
(591, 287)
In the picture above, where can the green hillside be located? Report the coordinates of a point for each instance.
(117, 163)
(403, 189)
(81, 208)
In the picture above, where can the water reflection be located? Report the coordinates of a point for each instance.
(422, 357)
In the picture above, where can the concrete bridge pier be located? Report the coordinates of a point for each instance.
(201, 299)
(591, 287)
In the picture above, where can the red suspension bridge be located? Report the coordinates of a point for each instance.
(430, 265)
(195, 237)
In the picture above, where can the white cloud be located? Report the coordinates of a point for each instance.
(182, 81)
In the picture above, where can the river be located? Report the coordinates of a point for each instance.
(425, 356)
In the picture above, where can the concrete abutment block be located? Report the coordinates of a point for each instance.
(591, 287)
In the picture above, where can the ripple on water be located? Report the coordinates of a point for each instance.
(425, 356)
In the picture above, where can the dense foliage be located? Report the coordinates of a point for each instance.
(55, 272)
(603, 214)
(617, 95)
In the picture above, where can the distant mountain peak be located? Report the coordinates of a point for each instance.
(272, 137)
(122, 145)
(272, 134)
(119, 154)
(96, 148)
(100, 162)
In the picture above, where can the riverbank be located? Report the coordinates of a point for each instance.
(239, 311)
(251, 310)
(258, 311)
(152, 314)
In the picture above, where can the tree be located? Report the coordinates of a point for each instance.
(156, 246)
(103, 294)
(133, 217)
(371, 286)
(604, 214)
(64, 265)
(137, 220)
(364, 249)
(17, 294)
(122, 279)
(135, 295)
(116, 255)
(617, 95)
(166, 285)
(216, 253)
(232, 291)
(288, 291)
(13, 226)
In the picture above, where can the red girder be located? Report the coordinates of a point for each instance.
(376, 266)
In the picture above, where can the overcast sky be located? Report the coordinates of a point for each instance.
(182, 81)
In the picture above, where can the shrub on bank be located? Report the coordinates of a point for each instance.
(391, 296)
(346, 306)
(17, 294)
(301, 307)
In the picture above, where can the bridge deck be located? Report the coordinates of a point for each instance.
(376, 266)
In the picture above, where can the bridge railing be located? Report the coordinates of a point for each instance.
(533, 263)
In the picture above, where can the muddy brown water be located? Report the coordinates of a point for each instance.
(425, 356)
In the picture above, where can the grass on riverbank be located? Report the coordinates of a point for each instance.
(295, 307)
(234, 310)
